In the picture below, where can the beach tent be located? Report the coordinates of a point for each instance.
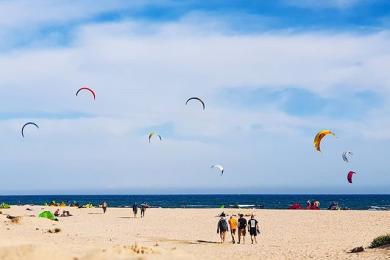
(48, 215)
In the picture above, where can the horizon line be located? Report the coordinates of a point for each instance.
(196, 194)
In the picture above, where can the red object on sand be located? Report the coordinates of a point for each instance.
(295, 206)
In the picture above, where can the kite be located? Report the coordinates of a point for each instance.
(26, 124)
(349, 176)
(153, 134)
(88, 89)
(219, 167)
(345, 155)
(317, 139)
(196, 98)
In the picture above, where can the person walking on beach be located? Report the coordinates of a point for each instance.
(143, 209)
(233, 227)
(222, 228)
(104, 206)
(135, 209)
(242, 223)
(253, 228)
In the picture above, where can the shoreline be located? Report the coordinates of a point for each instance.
(354, 202)
(194, 208)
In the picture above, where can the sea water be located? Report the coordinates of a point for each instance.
(357, 202)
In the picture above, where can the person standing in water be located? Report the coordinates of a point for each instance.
(135, 209)
(253, 228)
(222, 228)
(104, 206)
(242, 223)
(233, 227)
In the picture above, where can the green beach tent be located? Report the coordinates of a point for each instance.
(48, 215)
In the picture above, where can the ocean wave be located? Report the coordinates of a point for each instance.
(384, 207)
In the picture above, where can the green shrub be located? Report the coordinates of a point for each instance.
(4, 206)
(380, 241)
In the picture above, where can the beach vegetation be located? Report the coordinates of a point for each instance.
(381, 241)
(4, 206)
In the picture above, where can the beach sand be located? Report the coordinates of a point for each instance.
(189, 234)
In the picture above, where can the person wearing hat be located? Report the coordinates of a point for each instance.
(222, 228)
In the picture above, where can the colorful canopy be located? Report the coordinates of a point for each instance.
(317, 139)
(349, 176)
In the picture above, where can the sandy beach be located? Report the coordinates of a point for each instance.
(189, 234)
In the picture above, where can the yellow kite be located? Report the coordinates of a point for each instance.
(317, 139)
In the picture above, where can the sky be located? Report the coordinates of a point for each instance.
(272, 74)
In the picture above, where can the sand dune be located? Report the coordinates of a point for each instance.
(188, 234)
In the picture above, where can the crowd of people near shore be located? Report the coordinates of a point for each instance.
(104, 206)
(239, 226)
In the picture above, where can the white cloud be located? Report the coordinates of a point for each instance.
(143, 73)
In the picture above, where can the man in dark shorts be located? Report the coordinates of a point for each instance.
(241, 229)
(253, 228)
(222, 228)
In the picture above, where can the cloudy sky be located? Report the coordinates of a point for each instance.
(272, 73)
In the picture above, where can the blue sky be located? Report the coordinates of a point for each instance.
(272, 73)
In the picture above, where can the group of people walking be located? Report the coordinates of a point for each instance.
(240, 226)
(142, 207)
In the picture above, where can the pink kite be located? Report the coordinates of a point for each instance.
(86, 88)
(349, 176)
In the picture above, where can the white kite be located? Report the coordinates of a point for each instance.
(219, 167)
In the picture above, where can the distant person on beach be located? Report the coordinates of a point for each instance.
(135, 209)
(66, 213)
(104, 206)
(57, 213)
(222, 228)
(233, 227)
(242, 223)
(253, 228)
(143, 209)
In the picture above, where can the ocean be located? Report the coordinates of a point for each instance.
(357, 202)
